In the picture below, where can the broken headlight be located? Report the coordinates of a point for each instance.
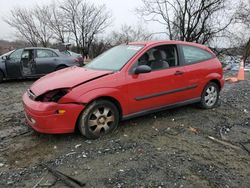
(53, 96)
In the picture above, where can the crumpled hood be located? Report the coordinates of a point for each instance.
(66, 78)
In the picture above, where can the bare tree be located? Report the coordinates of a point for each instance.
(243, 13)
(99, 46)
(31, 25)
(41, 25)
(246, 53)
(129, 33)
(22, 20)
(126, 34)
(188, 20)
(70, 10)
(57, 24)
(243, 17)
(76, 20)
(85, 20)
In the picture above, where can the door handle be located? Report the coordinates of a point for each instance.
(177, 73)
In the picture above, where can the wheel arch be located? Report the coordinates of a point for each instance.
(215, 78)
(110, 99)
(217, 82)
(107, 93)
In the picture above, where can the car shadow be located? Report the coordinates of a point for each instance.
(162, 114)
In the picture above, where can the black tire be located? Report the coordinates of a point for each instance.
(210, 100)
(61, 67)
(98, 119)
(1, 76)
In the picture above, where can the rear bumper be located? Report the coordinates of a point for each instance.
(44, 117)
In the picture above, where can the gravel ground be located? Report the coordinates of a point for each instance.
(165, 149)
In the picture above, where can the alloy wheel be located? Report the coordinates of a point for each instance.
(211, 96)
(101, 120)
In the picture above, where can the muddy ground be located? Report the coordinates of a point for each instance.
(165, 149)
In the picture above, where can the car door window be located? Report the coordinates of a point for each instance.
(194, 54)
(161, 57)
(25, 54)
(16, 55)
(45, 54)
(27, 62)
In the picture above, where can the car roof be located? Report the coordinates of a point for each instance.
(38, 48)
(162, 42)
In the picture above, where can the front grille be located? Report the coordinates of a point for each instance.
(31, 95)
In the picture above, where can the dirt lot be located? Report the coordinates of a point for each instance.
(166, 149)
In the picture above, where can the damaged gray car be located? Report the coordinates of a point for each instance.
(34, 62)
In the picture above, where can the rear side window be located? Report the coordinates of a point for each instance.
(45, 54)
(194, 55)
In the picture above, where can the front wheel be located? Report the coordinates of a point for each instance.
(98, 119)
(210, 96)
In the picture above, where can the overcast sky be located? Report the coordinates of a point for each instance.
(123, 13)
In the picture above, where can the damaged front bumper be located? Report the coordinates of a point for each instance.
(50, 117)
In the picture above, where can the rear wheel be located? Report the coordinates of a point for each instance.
(1, 76)
(98, 119)
(210, 96)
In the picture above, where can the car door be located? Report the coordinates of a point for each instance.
(12, 64)
(46, 61)
(28, 66)
(164, 85)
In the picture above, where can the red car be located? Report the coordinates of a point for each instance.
(126, 81)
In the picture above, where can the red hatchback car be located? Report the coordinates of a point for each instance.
(126, 81)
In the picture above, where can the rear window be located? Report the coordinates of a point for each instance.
(193, 54)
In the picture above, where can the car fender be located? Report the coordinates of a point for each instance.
(213, 76)
(113, 93)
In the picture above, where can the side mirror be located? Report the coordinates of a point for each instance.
(142, 69)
